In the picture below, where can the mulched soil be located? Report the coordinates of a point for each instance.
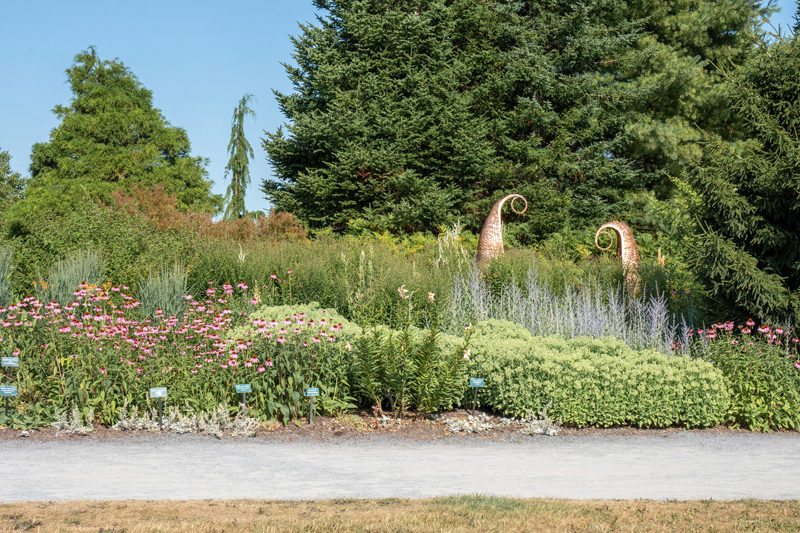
(367, 426)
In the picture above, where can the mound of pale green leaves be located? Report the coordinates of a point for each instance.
(593, 382)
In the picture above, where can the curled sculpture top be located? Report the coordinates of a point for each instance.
(490, 242)
(627, 250)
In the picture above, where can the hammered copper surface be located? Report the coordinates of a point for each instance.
(627, 250)
(490, 243)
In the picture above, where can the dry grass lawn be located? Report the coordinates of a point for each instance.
(465, 513)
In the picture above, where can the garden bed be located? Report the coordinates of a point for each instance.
(366, 426)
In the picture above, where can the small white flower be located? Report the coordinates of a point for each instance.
(403, 291)
(431, 296)
(466, 355)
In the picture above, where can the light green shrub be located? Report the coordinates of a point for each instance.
(598, 382)
(312, 311)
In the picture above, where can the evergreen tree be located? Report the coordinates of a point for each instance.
(796, 25)
(110, 137)
(749, 190)
(405, 115)
(239, 163)
(11, 183)
(679, 87)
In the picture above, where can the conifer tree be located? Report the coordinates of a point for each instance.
(11, 183)
(406, 115)
(110, 137)
(239, 163)
(748, 249)
(796, 25)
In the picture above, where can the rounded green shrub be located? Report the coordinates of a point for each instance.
(598, 382)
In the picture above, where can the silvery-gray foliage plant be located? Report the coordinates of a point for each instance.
(584, 311)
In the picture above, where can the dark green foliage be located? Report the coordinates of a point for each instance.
(110, 137)
(11, 183)
(796, 26)
(598, 382)
(130, 247)
(239, 163)
(748, 191)
(408, 370)
(407, 115)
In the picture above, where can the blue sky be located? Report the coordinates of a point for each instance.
(197, 57)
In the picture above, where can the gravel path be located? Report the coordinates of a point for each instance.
(680, 465)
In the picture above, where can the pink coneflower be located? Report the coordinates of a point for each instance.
(102, 370)
(763, 329)
(281, 339)
(745, 331)
(273, 276)
(750, 322)
(779, 331)
(260, 369)
(315, 339)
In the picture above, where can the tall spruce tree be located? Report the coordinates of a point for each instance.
(110, 137)
(239, 163)
(748, 249)
(679, 87)
(406, 115)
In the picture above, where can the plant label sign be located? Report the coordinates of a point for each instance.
(158, 392)
(244, 387)
(476, 382)
(8, 390)
(9, 361)
(311, 391)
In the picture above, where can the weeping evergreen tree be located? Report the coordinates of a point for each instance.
(748, 190)
(239, 163)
